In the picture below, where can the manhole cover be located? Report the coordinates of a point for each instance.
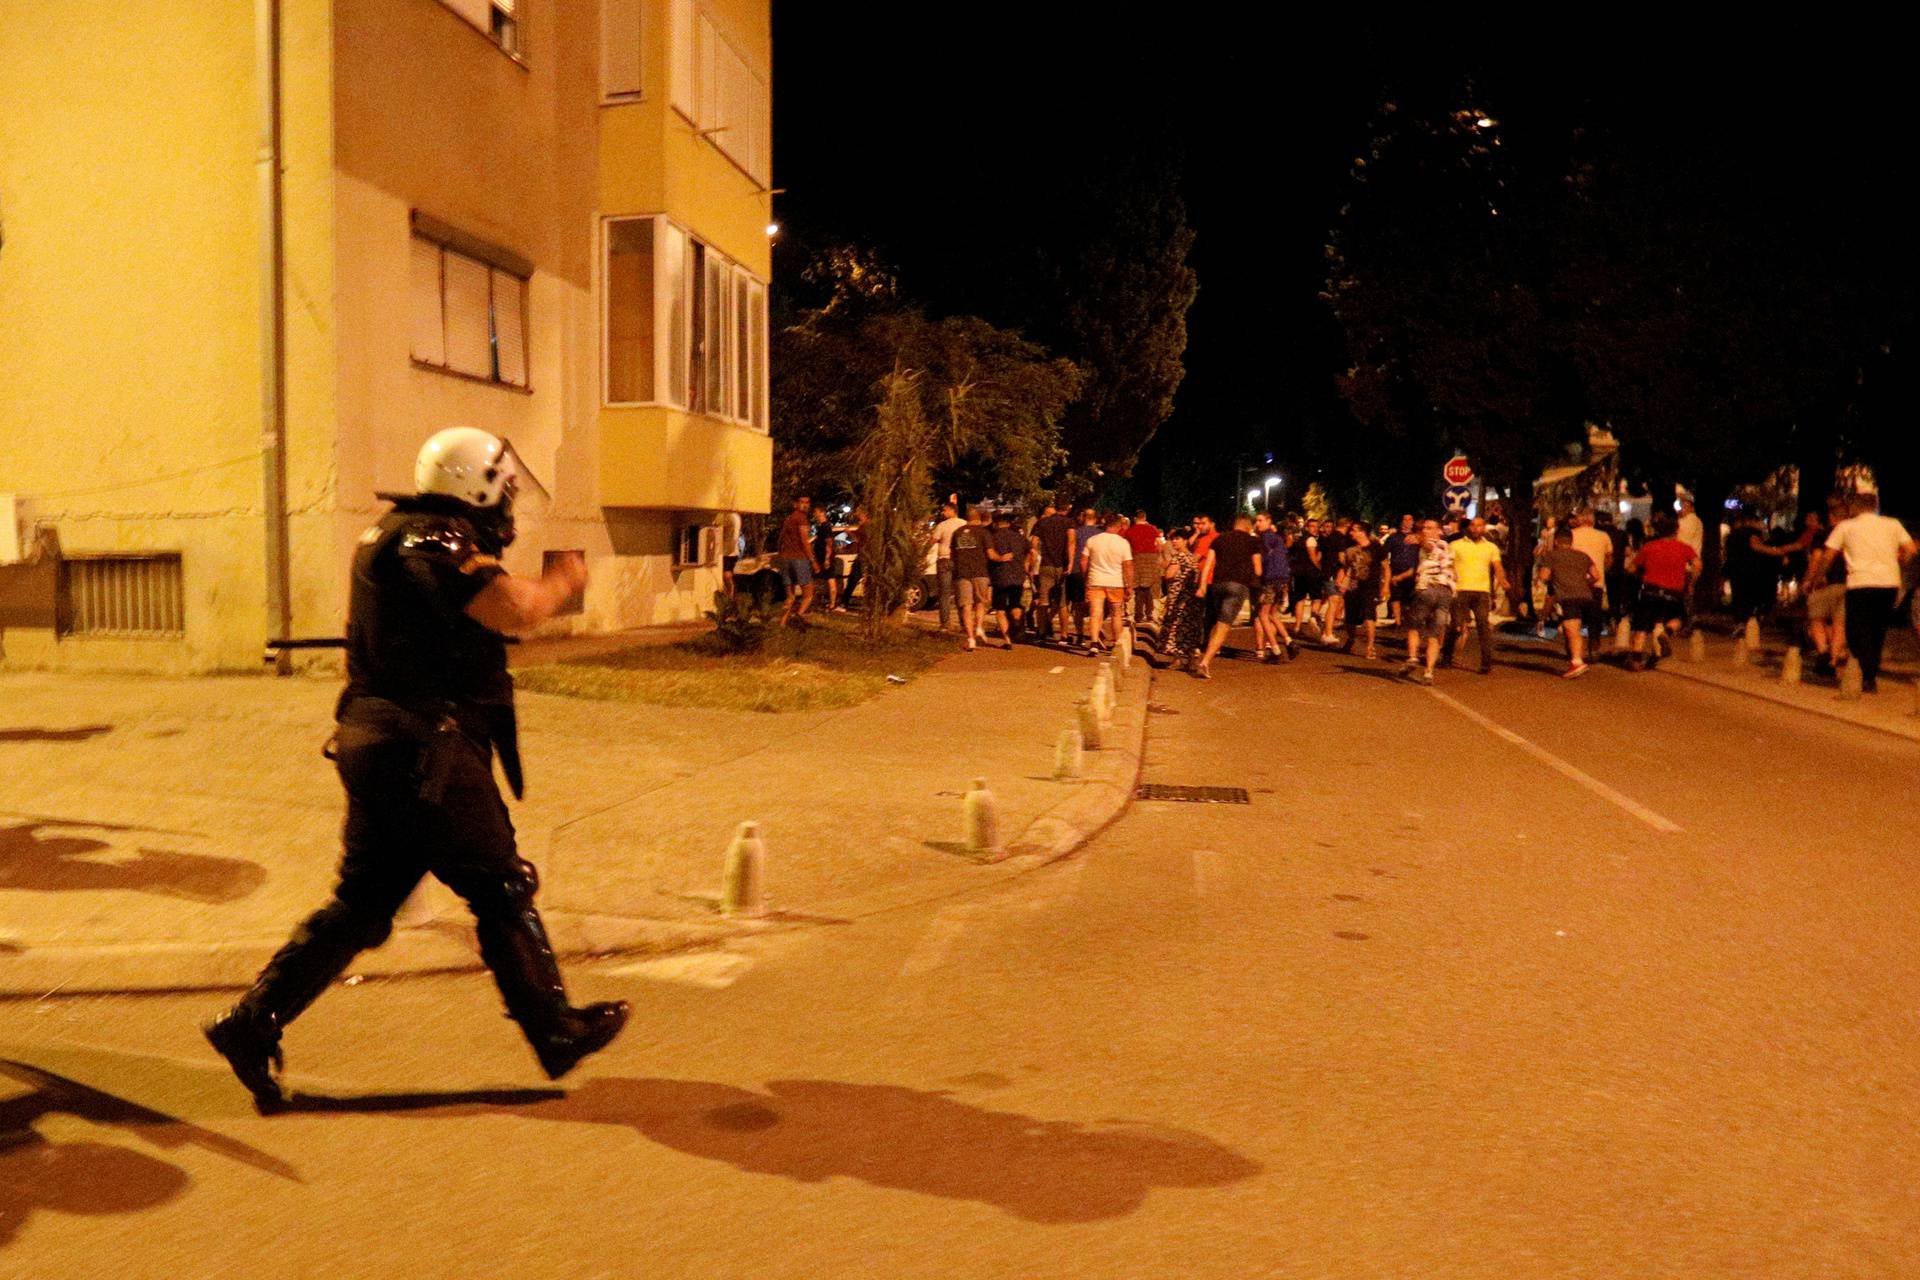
(1191, 795)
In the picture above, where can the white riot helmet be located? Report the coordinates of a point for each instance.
(474, 466)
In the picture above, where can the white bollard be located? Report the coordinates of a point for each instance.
(1103, 691)
(1742, 652)
(982, 815)
(743, 881)
(1069, 757)
(1790, 665)
(1753, 635)
(1089, 717)
(1697, 647)
(1850, 690)
(1116, 673)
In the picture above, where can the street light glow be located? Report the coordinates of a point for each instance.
(773, 228)
(1253, 495)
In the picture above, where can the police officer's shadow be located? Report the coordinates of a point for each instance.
(38, 1174)
(34, 856)
(926, 1141)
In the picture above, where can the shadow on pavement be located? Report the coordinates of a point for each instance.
(31, 859)
(95, 1177)
(1047, 1171)
(377, 1103)
(1389, 674)
(55, 735)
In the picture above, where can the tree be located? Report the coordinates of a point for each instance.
(1441, 271)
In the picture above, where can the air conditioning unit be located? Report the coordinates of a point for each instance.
(697, 545)
(16, 528)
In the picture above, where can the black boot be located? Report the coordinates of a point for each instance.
(250, 1042)
(516, 949)
(248, 1035)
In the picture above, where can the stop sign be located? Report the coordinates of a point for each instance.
(1457, 470)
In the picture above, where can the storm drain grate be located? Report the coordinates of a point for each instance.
(1191, 795)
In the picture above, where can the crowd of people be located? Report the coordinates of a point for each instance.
(1073, 578)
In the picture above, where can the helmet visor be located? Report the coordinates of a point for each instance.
(523, 494)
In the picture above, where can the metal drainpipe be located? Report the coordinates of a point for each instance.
(273, 412)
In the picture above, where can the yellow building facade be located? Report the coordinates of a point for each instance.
(545, 218)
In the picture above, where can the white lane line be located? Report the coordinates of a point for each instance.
(1561, 767)
(1207, 867)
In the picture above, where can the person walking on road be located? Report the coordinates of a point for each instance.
(943, 532)
(427, 707)
(1271, 638)
(972, 577)
(1359, 584)
(1574, 579)
(1430, 608)
(1403, 561)
(1232, 569)
(1052, 536)
(1876, 548)
(1666, 566)
(1106, 565)
(1183, 623)
(1007, 553)
(1477, 574)
(1147, 542)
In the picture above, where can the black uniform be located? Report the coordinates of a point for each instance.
(427, 705)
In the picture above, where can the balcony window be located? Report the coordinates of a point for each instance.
(683, 325)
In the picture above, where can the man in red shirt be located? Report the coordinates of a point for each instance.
(797, 562)
(1146, 542)
(1666, 567)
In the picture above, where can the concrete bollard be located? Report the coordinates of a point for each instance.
(982, 814)
(1103, 691)
(1089, 717)
(1790, 665)
(1116, 673)
(1752, 636)
(1742, 652)
(1069, 757)
(1850, 690)
(1697, 647)
(743, 882)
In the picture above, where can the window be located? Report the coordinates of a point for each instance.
(696, 545)
(493, 19)
(138, 596)
(620, 49)
(467, 305)
(713, 86)
(682, 324)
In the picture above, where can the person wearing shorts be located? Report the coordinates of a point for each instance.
(1429, 610)
(1106, 565)
(796, 562)
(1233, 567)
(1007, 553)
(1052, 539)
(1574, 578)
(972, 581)
(1666, 566)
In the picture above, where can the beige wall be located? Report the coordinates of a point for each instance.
(129, 335)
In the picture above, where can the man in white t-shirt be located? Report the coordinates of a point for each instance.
(1107, 561)
(1691, 529)
(1875, 547)
(943, 562)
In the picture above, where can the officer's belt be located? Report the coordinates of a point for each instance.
(489, 725)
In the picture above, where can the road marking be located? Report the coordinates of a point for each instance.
(1207, 866)
(1562, 767)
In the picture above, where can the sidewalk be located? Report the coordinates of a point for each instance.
(168, 833)
(1893, 710)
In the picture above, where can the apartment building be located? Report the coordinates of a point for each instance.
(256, 251)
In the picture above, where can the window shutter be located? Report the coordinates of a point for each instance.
(742, 347)
(429, 339)
(510, 328)
(706, 51)
(734, 104)
(619, 48)
(672, 294)
(759, 141)
(684, 86)
(469, 338)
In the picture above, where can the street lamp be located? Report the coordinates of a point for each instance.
(1271, 482)
(1253, 496)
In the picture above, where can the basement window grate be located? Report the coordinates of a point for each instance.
(1191, 795)
(136, 596)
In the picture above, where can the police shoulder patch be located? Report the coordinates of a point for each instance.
(438, 539)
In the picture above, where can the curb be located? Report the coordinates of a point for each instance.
(446, 945)
(1902, 732)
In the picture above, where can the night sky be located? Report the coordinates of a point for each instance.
(965, 153)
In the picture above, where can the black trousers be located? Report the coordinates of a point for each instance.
(421, 799)
(1869, 614)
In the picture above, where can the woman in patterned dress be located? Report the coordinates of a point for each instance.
(1181, 624)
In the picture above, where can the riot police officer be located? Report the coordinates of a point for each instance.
(427, 706)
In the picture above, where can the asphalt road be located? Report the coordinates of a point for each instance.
(1610, 978)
